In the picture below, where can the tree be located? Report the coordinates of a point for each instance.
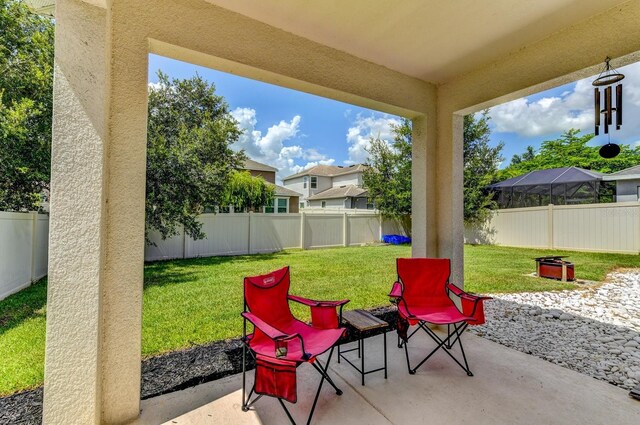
(189, 159)
(388, 176)
(570, 149)
(245, 192)
(26, 105)
(481, 163)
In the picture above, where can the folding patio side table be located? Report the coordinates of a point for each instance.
(361, 322)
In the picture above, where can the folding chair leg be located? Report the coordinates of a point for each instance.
(406, 353)
(327, 377)
(244, 377)
(464, 357)
(287, 411)
(323, 372)
(442, 344)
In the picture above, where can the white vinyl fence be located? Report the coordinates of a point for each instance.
(24, 238)
(613, 227)
(253, 233)
(23, 250)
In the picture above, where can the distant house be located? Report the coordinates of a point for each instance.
(285, 200)
(330, 186)
(627, 184)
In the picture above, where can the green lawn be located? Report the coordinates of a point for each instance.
(189, 302)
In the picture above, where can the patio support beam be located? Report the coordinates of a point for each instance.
(77, 219)
(94, 311)
(424, 233)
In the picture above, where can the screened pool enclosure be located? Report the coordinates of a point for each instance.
(558, 186)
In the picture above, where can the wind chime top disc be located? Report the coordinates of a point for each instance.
(610, 150)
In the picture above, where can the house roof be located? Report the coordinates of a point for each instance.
(283, 191)
(250, 164)
(328, 171)
(550, 176)
(630, 173)
(348, 191)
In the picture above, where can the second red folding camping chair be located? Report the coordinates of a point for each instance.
(422, 295)
(280, 342)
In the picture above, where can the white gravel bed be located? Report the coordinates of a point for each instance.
(595, 331)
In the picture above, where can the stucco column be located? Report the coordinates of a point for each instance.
(93, 353)
(77, 220)
(449, 195)
(423, 187)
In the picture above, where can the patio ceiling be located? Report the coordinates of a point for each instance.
(432, 40)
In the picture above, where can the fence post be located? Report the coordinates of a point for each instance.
(380, 227)
(184, 243)
(34, 226)
(302, 226)
(550, 225)
(345, 223)
(249, 234)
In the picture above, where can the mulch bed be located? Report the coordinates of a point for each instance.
(166, 373)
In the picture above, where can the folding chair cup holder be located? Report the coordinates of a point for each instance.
(280, 343)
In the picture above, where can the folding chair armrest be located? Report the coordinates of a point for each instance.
(462, 294)
(477, 311)
(396, 290)
(274, 333)
(266, 328)
(314, 303)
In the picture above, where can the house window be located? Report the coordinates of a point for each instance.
(324, 204)
(304, 182)
(280, 205)
(301, 204)
(314, 182)
(283, 205)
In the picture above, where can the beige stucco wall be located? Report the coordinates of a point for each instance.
(77, 220)
(92, 372)
(95, 288)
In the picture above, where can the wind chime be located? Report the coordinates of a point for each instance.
(607, 78)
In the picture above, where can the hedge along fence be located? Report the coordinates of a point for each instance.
(23, 250)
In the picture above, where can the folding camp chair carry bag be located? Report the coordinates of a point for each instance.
(276, 378)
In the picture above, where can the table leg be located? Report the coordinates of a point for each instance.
(362, 340)
(384, 335)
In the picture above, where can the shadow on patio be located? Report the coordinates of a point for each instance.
(509, 387)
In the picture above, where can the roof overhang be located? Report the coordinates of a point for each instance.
(621, 177)
(432, 40)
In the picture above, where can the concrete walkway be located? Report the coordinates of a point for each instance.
(509, 387)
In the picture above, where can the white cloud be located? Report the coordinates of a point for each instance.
(362, 130)
(571, 109)
(271, 149)
(154, 86)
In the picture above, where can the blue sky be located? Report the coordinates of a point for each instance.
(291, 130)
(287, 129)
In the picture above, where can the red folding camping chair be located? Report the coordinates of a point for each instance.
(280, 343)
(422, 295)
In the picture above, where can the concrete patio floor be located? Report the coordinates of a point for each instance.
(509, 387)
